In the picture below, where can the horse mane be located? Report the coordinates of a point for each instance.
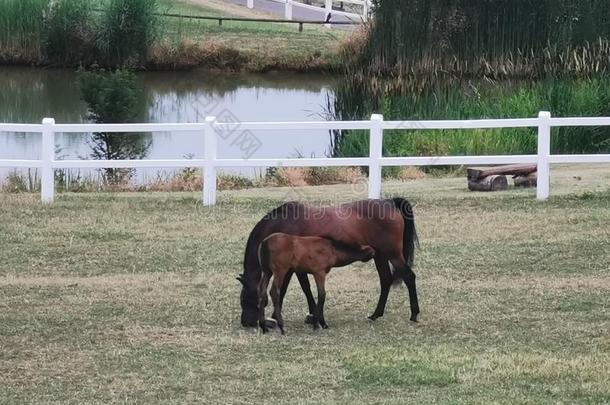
(251, 265)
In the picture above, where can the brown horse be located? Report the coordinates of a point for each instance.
(279, 254)
(387, 226)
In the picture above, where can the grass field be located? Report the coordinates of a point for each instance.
(131, 298)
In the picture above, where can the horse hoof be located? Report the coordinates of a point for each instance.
(324, 326)
(270, 324)
(374, 317)
(413, 319)
(309, 319)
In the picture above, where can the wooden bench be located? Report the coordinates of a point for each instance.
(494, 178)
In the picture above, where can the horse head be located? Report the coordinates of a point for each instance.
(249, 303)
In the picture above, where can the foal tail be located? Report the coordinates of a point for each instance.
(264, 256)
(409, 238)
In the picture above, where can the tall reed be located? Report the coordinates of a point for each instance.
(492, 37)
(22, 29)
(71, 31)
(461, 59)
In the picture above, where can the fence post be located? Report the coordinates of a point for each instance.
(365, 11)
(544, 152)
(328, 9)
(375, 153)
(47, 178)
(250, 3)
(209, 170)
(288, 10)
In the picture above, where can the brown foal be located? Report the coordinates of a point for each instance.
(280, 254)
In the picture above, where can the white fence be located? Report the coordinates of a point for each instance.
(211, 128)
(326, 10)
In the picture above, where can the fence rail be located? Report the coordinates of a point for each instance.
(220, 20)
(211, 128)
(328, 8)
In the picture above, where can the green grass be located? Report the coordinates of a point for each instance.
(113, 298)
(476, 99)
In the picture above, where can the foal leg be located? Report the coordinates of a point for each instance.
(319, 313)
(284, 289)
(278, 279)
(263, 286)
(408, 277)
(385, 281)
(311, 303)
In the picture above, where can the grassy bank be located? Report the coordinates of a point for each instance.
(132, 298)
(249, 46)
(116, 32)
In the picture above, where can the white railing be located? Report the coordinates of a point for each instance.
(211, 129)
(327, 9)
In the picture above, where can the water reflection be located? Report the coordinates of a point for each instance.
(30, 94)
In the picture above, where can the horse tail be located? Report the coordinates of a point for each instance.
(409, 238)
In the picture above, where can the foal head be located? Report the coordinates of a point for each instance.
(367, 253)
(347, 254)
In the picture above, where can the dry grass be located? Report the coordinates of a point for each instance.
(410, 173)
(313, 176)
(131, 297)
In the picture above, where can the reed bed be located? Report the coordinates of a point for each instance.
(469, 59)
(497, 38)
(75, 32)
(22, 29)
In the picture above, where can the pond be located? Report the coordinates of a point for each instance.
(30, 94)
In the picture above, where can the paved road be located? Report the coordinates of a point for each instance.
(298, 13)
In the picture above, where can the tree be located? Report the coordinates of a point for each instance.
(112, 98)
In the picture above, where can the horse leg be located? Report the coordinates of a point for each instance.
(311, 303)
(304, 282)
(408, 276)
(319, 312)
(385, 281)
(263, 286)
(278, 279)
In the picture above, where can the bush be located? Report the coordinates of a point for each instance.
(21, 182)
(311, 176)
(115, 97)
(129, 28)
(71, 32)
